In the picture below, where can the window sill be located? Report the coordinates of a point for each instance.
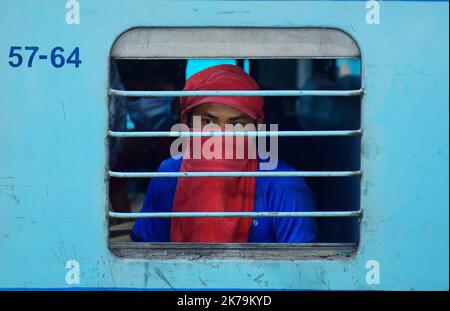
(262, 251)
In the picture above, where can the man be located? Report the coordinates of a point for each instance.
(225, 194)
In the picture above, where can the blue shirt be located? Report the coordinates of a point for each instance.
(279, 194)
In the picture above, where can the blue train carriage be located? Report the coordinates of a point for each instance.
(56, 90)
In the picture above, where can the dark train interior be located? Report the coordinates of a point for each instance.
(290, 113)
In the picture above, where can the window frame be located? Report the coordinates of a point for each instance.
(129, 46)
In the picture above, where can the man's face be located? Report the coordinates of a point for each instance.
(219, 114)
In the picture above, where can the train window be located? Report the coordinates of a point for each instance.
(310, 80)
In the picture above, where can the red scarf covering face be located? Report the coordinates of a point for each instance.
(217, 194)
(214, 194)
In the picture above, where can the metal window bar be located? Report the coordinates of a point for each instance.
(235, 174)
(235, 93)
(233, 214)
(237, 133)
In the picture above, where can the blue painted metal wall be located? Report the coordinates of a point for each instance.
(53, 125)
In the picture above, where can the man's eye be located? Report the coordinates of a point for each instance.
(208, 121)
(241, 123)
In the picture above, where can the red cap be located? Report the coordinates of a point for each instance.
(222, 78)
